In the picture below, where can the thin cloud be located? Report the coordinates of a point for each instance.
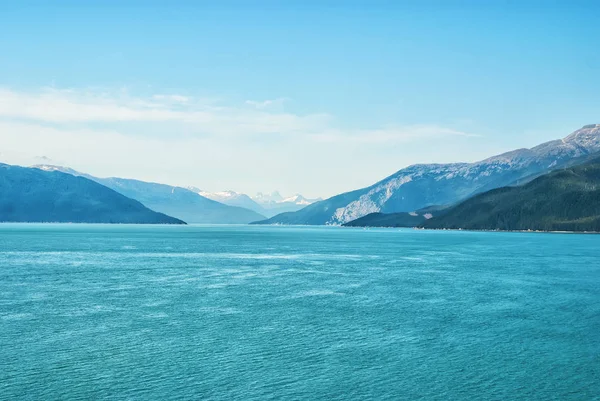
(185, 114)
(411, 133)
(172, 98)
(266, 103)
(71, 106)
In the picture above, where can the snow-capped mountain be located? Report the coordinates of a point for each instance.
(300, 200)
(263, 198)
(266, 204)
(49, 167)
(422, 185)
(274, 203)
(231, 198)
(275, 198)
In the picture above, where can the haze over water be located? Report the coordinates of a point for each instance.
(257, 313)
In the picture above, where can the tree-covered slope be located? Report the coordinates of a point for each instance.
(33, 195)
(566, 199)
(387, 220)
(411, 219)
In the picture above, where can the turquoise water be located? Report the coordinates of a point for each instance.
(261, 313)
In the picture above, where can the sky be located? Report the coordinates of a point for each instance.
(311, 97)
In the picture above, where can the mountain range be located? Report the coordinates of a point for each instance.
(562, 200)
(463, 195)
(419, 186)
(174, 201)
(34, 195)
(266, 204)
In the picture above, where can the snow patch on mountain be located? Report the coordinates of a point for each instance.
(50, 167)
(368, 203)
(299, 200)
(267, 204)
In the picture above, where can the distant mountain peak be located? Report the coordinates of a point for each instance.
(51, 167)
(272, 197)
(299, 199)
(275, 198)
(193, 189)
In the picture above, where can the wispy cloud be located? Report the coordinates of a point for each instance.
(69, 106)
(267, 103)
(391, 134)
(50, 105)
(172, 98)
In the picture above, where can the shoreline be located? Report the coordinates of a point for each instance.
(485, 230)
(429, 229)
(509, 231)
(6, 223)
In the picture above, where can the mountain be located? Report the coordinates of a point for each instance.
(387, 220)
(231, 198)
(34, 195)
(174, 201)
(299, 200)
(274, 203)
(263, 198)
(567, 199)
(418, 186)
(265, 204)
(402, 219)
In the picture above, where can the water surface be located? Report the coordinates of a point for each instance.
(259, 313)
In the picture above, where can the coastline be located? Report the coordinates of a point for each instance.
(429, 229)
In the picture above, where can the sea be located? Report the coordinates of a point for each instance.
(120, 312)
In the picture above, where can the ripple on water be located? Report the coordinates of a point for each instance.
(261, 313)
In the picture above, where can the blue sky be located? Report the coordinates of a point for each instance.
(311, 97)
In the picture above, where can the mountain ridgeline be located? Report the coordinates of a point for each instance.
(266, 204)
(563, 200)
(231, 198)
(33, 195)
(174, 201)
(419, 186)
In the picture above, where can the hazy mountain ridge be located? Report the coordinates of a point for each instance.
(418, 186)
(265, 204)
(230, 198)
(34, 195)
(174, 201)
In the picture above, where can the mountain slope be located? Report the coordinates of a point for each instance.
(274, 203)
(402, 219)
(566, 199)
(231, 198)
(267, 205)
(387, 220)
(174, 201)
(418, 186)
(33, 195)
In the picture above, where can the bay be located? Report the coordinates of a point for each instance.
(299, 313)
